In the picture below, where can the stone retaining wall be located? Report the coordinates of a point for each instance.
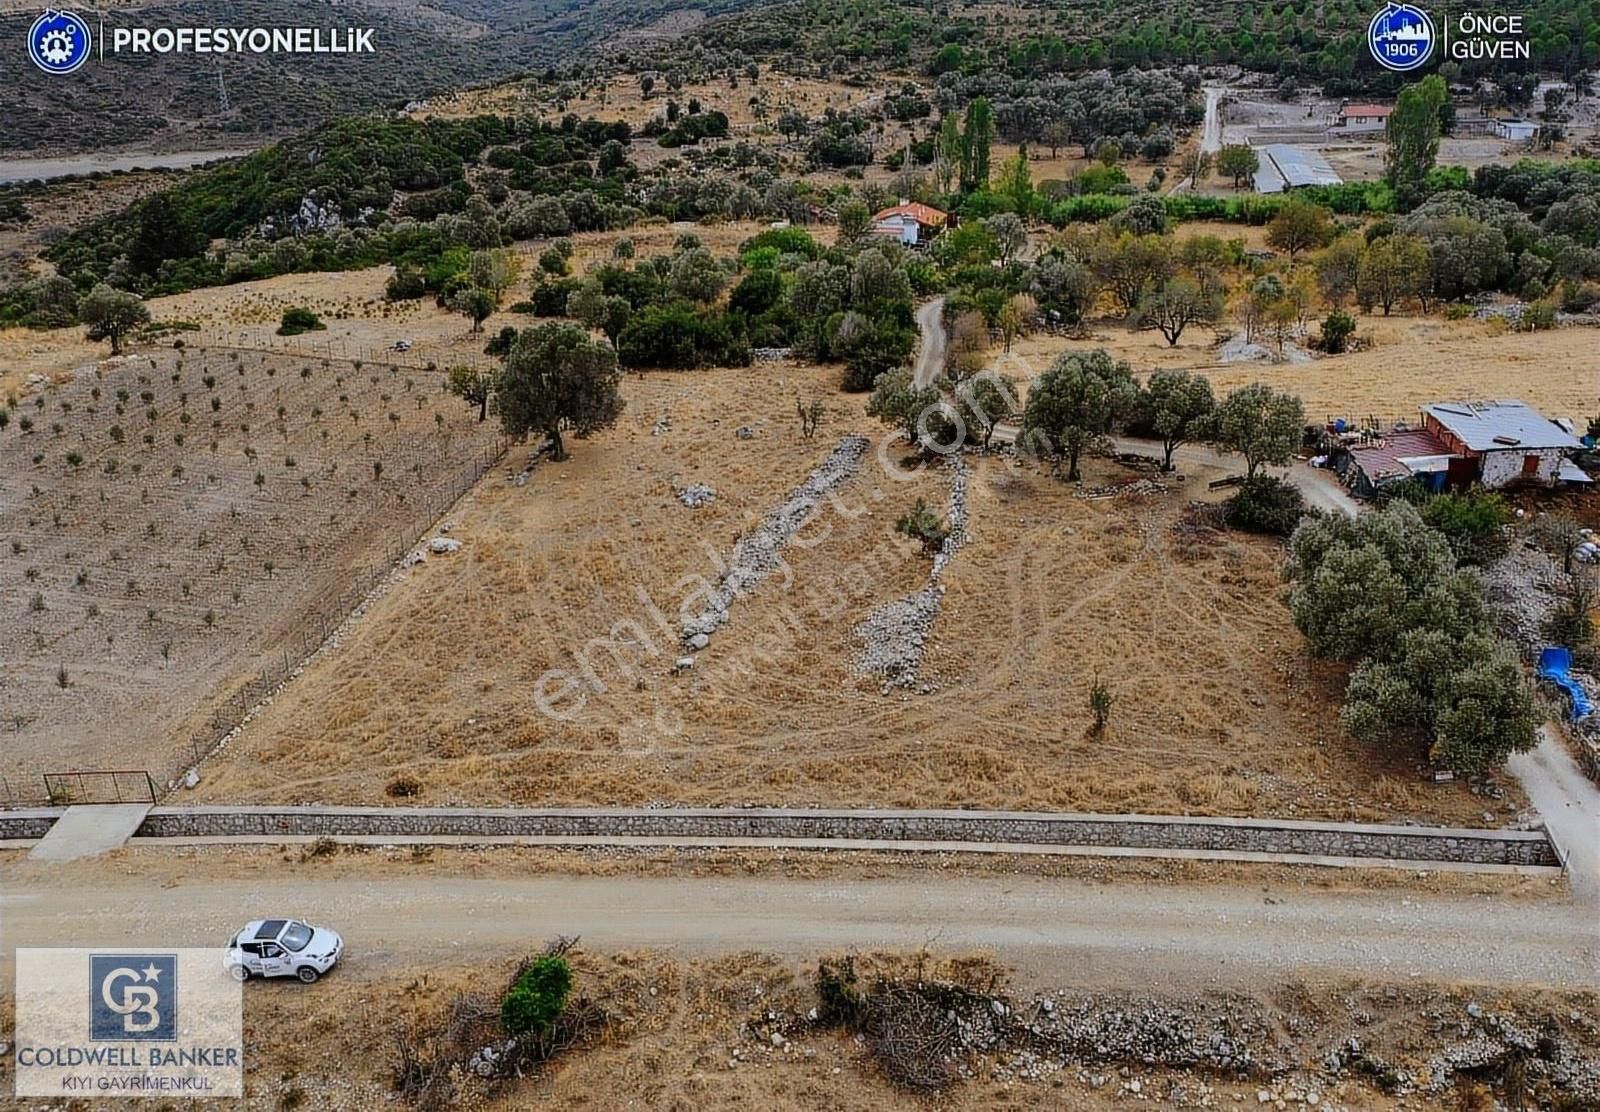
(1489, 847)
(29, 824)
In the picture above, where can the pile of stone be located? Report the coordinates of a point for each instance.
(697, 495)
(1138, 488)
(1524, 587)
(755, 554)
(771, 355)
(893, 636)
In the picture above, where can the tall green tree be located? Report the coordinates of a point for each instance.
(1413, 134)
(1077, 402)
(977, 137)
(555, 379)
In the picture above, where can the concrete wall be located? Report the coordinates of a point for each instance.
(1493, 847)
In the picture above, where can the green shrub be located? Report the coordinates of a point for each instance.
(299, 320)
(1266, 504)
(536, 998)
(1336, 331)
(1473, 522)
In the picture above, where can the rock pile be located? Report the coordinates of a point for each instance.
(755, 554)
(771, 355)
(893, 636)
(1138, 488)
(697, 495)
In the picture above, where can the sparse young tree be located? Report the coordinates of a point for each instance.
(855, 224)
(557, 379)
(111, 314)
(810, 414)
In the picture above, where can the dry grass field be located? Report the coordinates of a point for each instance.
(169, 519)
(1218, 709)
(1411, 360)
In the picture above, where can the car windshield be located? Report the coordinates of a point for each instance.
(295, 936)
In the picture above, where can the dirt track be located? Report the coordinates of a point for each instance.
(1110, 935)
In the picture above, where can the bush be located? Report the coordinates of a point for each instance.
(680, 337)
(1266, 504)
(1473, 523)
(1336, 331)
(922, 524)
(298, 320)
(536, 997)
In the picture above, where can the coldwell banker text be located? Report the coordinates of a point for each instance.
(241, 40)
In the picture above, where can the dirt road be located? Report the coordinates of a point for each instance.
(1569, 803)
(930, 358)
(1123, 935)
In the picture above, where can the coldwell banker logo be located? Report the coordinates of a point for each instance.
(133, 997)
(1401, 37)
(58, 42)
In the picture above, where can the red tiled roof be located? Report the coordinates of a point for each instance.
(1381, 458)
(1366, 110)
(922, 214)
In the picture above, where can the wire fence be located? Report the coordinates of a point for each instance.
(322, 618)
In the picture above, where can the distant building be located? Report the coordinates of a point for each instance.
(1458, 444)
(1284, 167)
(1518, 131)
(1364, 115)
(910, 223)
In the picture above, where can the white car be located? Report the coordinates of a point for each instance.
(282, 948)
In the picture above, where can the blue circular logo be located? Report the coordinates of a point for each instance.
(58, 42)
(1401, 37)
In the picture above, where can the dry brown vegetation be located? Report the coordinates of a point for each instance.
(1411, 361)
(696, 1032)
(1218, 709)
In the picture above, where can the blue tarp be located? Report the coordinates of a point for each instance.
(1555, 665)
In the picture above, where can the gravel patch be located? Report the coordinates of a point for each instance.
(1239, 350)
(756, 554)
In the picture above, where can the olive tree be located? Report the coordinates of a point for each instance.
(555, 379)
(111, 314)
(1076, 403)
(1178, 407)
(1261, 424)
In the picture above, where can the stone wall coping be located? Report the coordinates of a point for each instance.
(23, 813)
(289, 810)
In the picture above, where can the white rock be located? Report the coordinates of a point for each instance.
(443, 546)
(191, 779)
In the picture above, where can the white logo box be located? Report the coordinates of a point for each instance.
(128, 1022)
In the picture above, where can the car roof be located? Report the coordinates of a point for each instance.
(267, 930)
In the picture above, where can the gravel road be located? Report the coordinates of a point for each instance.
(1123, 935)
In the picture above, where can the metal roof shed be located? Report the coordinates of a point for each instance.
(1287, 167)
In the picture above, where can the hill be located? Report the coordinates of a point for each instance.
(164, 102)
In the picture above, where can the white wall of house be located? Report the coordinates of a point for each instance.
(905, 228)
(1501, 467)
